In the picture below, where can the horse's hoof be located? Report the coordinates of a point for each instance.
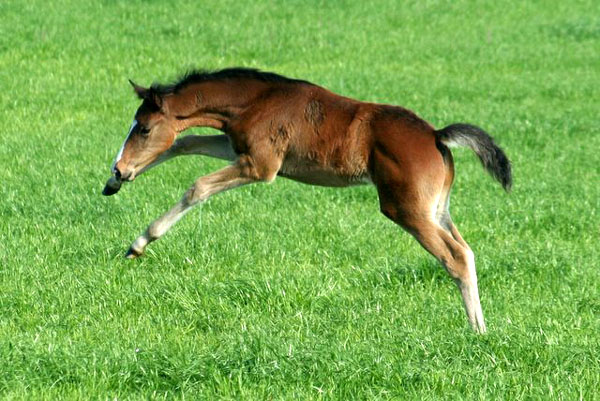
(132, 254)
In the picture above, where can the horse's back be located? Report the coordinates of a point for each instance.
(326, 139)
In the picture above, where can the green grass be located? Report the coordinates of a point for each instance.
(287, 291)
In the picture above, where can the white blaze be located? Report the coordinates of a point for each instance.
(133, 125)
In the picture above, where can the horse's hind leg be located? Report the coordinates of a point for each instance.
(445, 221)
(438, 236)
(467, 277)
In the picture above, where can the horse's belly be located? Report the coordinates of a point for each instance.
(326, 179)
(312, 173)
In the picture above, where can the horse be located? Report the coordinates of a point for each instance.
(277, 126)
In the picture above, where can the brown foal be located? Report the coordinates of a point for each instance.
(279, 126)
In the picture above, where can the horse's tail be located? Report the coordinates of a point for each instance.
(493, 158)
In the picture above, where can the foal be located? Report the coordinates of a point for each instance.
(279, 126)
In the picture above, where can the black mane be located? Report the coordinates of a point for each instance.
(195, 76)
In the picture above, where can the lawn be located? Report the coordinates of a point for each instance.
(287, 291)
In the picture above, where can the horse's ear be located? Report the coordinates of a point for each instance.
(142, 92)
(146, 94)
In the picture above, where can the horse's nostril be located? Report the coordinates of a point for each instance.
(117, 174)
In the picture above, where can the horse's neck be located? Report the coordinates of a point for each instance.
(212, 104)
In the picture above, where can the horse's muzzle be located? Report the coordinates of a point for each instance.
(112, 186)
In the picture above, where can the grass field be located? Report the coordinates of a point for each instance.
(287, 291)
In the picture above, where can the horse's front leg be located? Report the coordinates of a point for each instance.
(217, 146)
(204, 187)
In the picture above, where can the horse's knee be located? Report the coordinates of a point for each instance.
(197, 193)
(258, 171)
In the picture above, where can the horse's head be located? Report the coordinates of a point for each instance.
(151, 133)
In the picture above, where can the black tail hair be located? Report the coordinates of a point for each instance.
(493, 158)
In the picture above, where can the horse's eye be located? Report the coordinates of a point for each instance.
(144, 131)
